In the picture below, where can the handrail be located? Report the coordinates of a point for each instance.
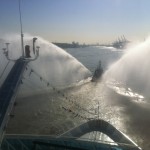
(54, 141)
(101, 126)
(8, 93)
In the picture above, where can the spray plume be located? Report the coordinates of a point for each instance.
(54, 64)
(132, 69)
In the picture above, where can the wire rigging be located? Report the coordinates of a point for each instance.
(58, 91)
(4, 69)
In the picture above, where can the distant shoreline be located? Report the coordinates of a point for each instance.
(70, 45)
(76, 45)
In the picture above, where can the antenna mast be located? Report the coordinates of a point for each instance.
(22, 44)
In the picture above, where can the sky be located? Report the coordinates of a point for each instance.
(83, 21)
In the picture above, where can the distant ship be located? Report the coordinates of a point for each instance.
(120, 43)
(97, 73)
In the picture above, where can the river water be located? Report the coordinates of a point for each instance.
(49, 112)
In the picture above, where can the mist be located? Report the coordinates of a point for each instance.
(132, 69)
(54, 65)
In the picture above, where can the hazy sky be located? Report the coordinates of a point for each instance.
(86, 21)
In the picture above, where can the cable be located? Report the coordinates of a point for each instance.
(62, 94)
(4, 69)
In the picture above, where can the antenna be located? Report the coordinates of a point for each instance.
(22, 44)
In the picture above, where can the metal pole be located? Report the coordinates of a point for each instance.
(22, 44)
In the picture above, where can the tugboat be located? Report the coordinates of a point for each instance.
(97, 73)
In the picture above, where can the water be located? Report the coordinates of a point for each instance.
(123, 106)
(90, 56)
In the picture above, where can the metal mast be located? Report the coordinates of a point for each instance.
(22, 44)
